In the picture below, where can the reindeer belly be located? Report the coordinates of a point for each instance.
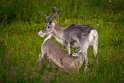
(75, 45)
(74, 41)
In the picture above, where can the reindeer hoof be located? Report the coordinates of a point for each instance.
(75, 54)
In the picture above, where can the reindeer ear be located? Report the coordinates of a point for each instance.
(59, 11)
(45, 56)
(55, 21)
(50, 22)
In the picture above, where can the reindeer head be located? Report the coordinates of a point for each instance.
(50, 25)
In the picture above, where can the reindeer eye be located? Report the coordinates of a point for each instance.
(50, 22)
(48, 27)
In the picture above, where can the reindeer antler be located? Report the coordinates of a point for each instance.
(55, 11)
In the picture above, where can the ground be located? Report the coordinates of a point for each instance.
(20, 43)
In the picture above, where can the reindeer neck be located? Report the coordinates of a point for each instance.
(58, 33)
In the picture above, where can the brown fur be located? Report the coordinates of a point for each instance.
(59, 57)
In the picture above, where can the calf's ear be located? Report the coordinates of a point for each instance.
(45, 56)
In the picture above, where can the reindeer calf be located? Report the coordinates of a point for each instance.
(59, 57)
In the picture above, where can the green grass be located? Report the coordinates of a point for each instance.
(20, 21)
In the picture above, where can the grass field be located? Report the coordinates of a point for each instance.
(21, 20)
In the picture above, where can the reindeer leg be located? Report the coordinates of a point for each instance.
(57, 63)
(76, 52)
(60, 65)
(84, 54)
(95, 50)
(68, 48)
(39, 58)
(86, 60)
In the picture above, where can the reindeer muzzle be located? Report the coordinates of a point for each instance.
(41, 34)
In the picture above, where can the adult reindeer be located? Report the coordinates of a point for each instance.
(77, 36)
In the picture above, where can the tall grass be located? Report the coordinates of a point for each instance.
(20, 21)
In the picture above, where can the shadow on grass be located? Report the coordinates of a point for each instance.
(3, 61)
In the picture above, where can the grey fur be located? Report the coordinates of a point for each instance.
(77, 36)
(79, 31)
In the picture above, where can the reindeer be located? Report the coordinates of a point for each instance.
(59, 57)
(76, 36)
